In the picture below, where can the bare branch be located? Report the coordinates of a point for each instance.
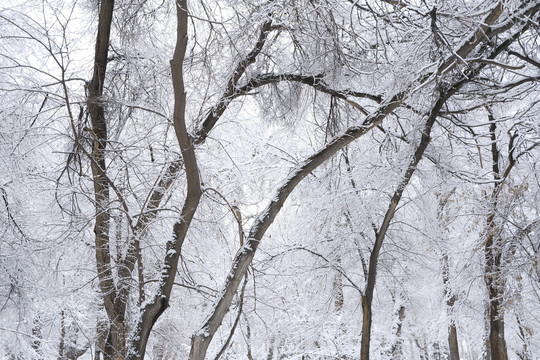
(217, 110)
(525, 58)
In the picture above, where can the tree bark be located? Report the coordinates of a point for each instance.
(493, 255)
(115, 347)
(453, 345)
(153, 309)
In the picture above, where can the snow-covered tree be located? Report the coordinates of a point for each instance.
(306, 179)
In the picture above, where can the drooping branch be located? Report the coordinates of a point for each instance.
(483, 33)
(315, 81)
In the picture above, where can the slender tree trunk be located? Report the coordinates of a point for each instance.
(497, 341)
(115, 347)
(61, 345)
(159, 303)
(37, 338)
(337, 286)
(495, 289)
(271, 345)
(525, 332)
(436, 354)
(397, 346)
(422, 347)
(450, 297)
(493, 255)
(525, 338)
(494, 311)
(453, 345)
(367, 299)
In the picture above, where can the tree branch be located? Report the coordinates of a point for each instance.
(217, 110)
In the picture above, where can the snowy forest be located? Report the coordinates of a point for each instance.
(269, 179)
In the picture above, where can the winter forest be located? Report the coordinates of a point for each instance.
(269, 179)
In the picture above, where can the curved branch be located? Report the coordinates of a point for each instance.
(230, 90)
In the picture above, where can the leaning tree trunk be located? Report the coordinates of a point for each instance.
(367, 298)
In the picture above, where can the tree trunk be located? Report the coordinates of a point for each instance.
(493, 255)
(115, 347)
(453, 345)
(450, 297)
(37, 338)
(366, 328)
(156, 306)
(493, 281)
(397, 347)
(337, 287)
(367, 299)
